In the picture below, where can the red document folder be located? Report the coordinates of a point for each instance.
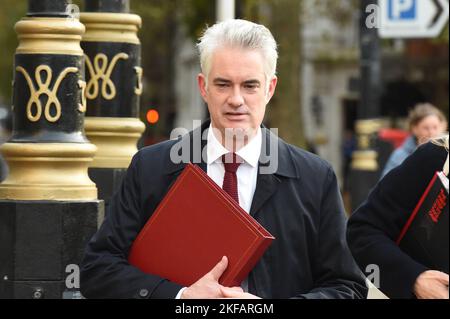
(425, 235)
(192, 228)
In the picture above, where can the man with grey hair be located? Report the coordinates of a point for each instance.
(297, 199)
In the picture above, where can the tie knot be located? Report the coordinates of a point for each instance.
(231, 162)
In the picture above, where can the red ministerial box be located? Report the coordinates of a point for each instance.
(196, 224)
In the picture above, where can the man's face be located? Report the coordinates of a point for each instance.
(236, 92)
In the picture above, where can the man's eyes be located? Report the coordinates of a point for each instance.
(222, 85)
(251, 86)
(247, 86)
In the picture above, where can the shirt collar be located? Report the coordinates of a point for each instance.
(249, 153)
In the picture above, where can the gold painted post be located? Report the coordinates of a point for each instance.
(112, 52)
(114, 82)
(365, 158)
(48, 154)
(48, 203)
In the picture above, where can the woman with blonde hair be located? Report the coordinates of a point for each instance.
(425, 122)
(375, 226)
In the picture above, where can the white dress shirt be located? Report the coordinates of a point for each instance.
(247, 172)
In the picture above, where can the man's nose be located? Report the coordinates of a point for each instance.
(236, 99)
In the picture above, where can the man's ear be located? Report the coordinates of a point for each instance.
(272, 86)
(201, 80)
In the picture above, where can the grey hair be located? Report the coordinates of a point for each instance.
(239, 34)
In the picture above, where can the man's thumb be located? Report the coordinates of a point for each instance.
(218, 269)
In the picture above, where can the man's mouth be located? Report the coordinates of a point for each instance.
(235, 115)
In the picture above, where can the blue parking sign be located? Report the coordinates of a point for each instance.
(402, 9)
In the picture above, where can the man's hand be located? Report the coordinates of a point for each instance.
(236, 294)
(208, 286)
(431, 284)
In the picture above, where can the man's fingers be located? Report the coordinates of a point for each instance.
(219, 269)
(443, 277)
(237, 289)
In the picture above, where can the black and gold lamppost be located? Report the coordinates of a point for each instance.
(365, 170)
(114, 84)
(48, 204)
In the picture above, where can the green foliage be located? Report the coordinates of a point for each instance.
(157, 36)
(161, 20)
(339, 11)
(196, 15)
(11, 11)
(443, 37)
(282, 17)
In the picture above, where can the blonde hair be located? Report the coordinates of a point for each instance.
(423, 110)
(441, 141)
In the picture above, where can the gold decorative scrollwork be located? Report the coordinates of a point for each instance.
(101, 70)
(139, 71)
(82, 105)
(44, 88)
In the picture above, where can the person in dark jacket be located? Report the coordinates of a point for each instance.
(375, 226)
(290, 192)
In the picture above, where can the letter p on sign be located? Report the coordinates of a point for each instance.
(402, 9)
